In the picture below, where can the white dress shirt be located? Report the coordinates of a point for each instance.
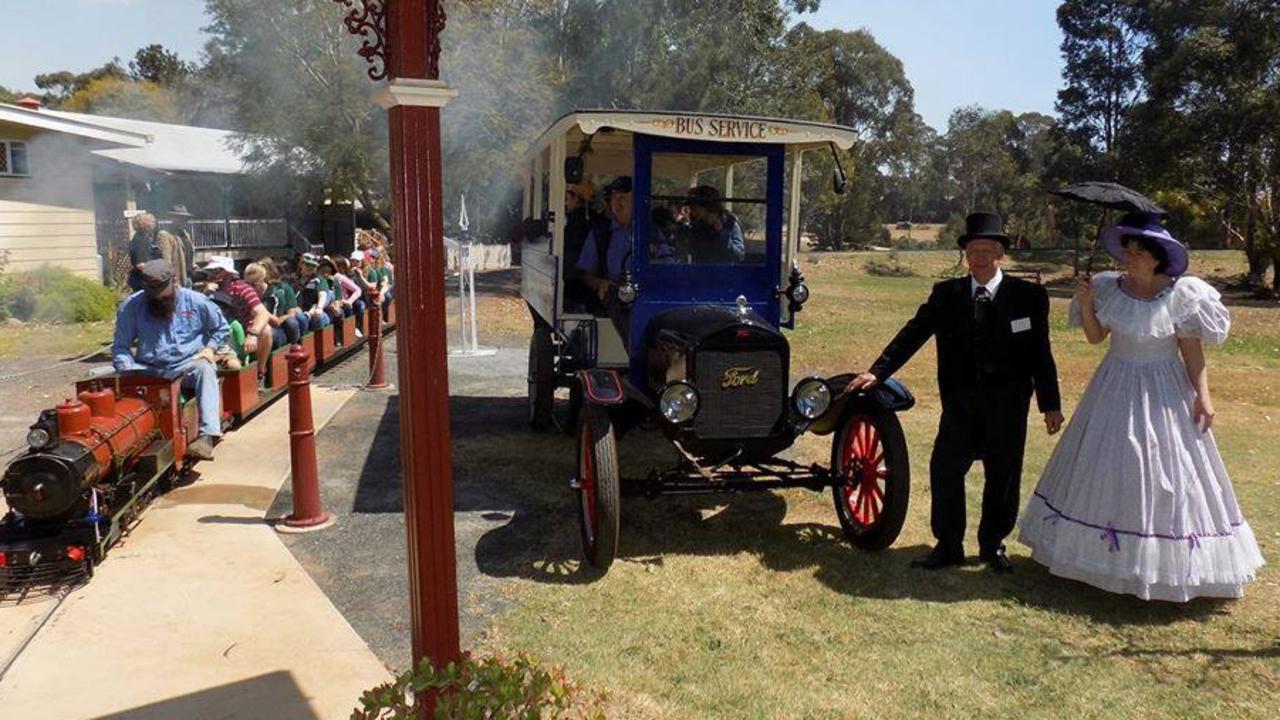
(992, 285)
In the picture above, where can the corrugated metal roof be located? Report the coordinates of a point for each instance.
(171, 148)
(71, 124)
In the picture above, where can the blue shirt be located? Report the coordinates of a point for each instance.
(166, 344)
(731, 236)
(619, 246)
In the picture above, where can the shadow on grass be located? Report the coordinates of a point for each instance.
(505, 473)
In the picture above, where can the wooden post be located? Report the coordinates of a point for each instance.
(413, 97)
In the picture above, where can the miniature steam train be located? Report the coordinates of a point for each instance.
(96, 460)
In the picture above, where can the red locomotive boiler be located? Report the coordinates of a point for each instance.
(94, 462)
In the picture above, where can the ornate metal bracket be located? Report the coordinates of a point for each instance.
(437, 20)
(369, 21)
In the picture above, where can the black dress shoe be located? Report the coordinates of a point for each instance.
(939, 557)
(997, 560)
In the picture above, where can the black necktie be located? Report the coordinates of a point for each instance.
(981, 299)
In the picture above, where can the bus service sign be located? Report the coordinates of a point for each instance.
(714, 128)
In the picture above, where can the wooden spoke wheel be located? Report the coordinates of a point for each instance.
(542, 377)
(599, 495)
(869, 458)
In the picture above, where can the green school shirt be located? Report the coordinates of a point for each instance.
(286, 298)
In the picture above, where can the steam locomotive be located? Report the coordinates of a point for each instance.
(96, 460)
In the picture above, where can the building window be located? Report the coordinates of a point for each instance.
(13, 158)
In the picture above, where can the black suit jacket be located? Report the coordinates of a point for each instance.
(1014, 351)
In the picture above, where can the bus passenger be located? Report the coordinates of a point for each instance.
(174, 330)
(662, 235)
(579, 221)
(716, 235)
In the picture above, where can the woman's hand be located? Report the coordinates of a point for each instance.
(1084, 293)
(1203, 413)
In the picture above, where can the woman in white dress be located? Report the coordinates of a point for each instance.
(1135, 499)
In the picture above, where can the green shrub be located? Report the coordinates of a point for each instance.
(489, 687)
(54, 294)
(889, 265)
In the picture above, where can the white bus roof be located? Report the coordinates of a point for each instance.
(699, 126)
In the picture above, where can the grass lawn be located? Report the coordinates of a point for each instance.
(755, 607)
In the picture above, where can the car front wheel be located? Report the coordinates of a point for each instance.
(873, 478)
(599, 492)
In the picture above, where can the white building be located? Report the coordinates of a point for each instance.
(69, 181)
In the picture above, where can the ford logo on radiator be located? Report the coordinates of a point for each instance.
(736, 377)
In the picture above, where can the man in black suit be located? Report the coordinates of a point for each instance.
(993, 351)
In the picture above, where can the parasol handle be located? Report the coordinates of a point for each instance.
(1097, 242)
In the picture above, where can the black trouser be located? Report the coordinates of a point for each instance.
(979, 423)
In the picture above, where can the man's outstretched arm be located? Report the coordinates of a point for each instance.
(904, 345)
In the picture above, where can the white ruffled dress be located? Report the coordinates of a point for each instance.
(1135, 499)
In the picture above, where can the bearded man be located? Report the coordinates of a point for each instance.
(168, 329)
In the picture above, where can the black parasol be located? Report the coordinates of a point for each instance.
(1111, 196)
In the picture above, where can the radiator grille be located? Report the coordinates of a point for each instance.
(744, 411)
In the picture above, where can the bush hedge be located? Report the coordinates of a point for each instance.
(54, 294)
(482, 688)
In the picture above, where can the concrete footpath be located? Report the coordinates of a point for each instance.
(201, 613)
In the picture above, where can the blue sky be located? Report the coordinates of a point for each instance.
(995, 53)
(1000, 54)
(48, 35)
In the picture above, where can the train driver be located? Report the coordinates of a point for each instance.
(607, 252)
(166, 328)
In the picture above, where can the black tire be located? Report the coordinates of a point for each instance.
(599, 488)
(542, 377)
(871, 502)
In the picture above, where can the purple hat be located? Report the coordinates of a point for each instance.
(1147, 225)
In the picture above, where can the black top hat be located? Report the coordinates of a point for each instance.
(983, 226)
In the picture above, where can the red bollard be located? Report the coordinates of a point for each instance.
(307, 511)
(377, 373)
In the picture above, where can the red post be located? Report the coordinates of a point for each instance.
(307, 512)
(377, 371)
(413, 98)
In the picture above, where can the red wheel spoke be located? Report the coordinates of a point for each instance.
(876, 492)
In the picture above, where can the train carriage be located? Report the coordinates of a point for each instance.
(690, 336)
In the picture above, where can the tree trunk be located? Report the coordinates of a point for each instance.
(1256, 255)
(367, 199)
(1275, 273)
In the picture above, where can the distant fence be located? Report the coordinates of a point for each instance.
(207, 234)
